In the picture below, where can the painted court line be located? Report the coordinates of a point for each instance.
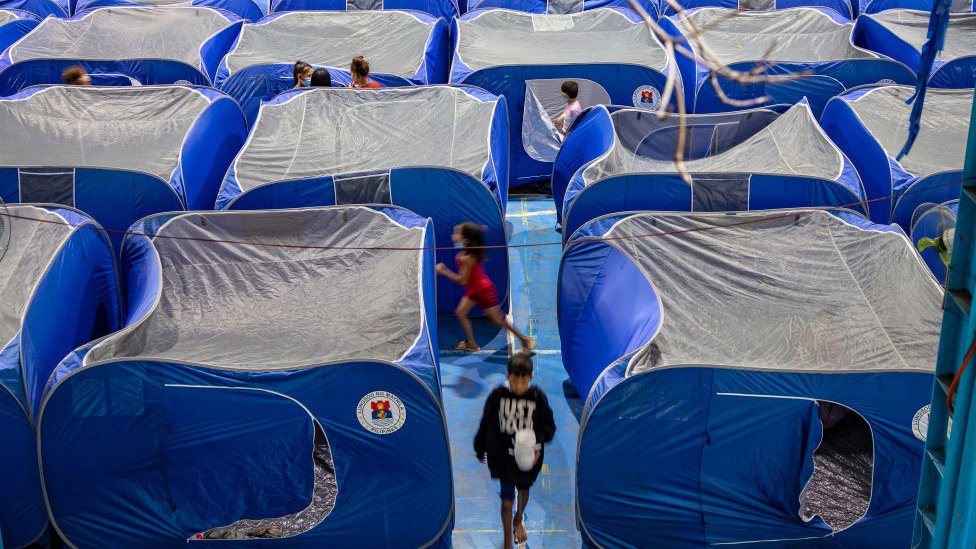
(452, 352)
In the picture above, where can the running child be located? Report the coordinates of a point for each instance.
(478, 288)
(570, 92)
(516, 423)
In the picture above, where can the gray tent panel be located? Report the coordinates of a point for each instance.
(941, 142)
(281, 289)
(35, 236)
(109, 34)
(7, 17)
(393, 41)
(140, 129)
(336, 131)
(912, 27)
(504, 37)
(792, 144)
(792, 35)
(796, 291)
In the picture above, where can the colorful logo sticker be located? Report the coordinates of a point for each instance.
(381, 413)
(920, 423)
(647, 97)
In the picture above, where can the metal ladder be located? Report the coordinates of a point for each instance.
(946, 514)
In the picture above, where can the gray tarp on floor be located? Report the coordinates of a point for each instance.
(336, 131)
(129, 128)
(941, 142)
(791, 144)
(394, 42)
(171, 33)
(503, 37)
(797, 35)
(35, 235)
(739, 295)
(912, 26)
(232, 297)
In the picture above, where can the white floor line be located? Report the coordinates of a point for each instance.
(451, 352)
(532, 214)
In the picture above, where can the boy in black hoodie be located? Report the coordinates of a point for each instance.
(509, 409)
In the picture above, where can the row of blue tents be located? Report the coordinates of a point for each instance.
(609, 52)
(255, 9)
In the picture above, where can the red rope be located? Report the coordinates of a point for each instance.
(954, 386)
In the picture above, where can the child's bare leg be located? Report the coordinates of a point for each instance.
(463, 308)
(507, 522)
(523, 500)
(496, 316)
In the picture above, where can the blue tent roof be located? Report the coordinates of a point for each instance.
(411, 50)
(252, 10)
(257, 347)
(748, 160)
(446, 9)
(900, 34)
(14, 25)
(39, 8)
(440, 151)
(609, 52)
(140, 151)
(161, 45)
(814, 41)
(871, 125)
(58, 291)
(716, 353)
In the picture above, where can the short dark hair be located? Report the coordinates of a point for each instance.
(73, 74)
(321, 77)
(570, 88)
(474, 240)
(520, 365)
(299, 69)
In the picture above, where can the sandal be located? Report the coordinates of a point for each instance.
(463, 346)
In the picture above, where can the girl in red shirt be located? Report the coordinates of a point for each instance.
(478, 288)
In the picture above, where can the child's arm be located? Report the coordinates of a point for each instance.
(481, 438)
(467, 262)
(543, 424)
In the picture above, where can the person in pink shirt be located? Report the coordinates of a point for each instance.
(570, 91)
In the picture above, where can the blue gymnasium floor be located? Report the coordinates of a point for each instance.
(468, 378)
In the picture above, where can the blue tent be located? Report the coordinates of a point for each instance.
(901, 34)
(447, 9)
(265, 390)
(412, 49)
(160, 45)
(555, 7)
(118, 153)
(757, 159)
(815, 41)
(841, 7)
(439, 151)
(935, 221)
(751, 379)
(878, 6)
(39, 8)
(252, 10)
(871, 126)
(14, 25)
(57, 291)
(609, 52)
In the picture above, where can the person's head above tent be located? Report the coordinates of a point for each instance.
(359, 71)
(76, 76)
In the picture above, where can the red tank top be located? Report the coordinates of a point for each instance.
(477, 280)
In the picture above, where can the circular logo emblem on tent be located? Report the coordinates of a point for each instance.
(381, 413)
(920, 423)
(647, 97)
